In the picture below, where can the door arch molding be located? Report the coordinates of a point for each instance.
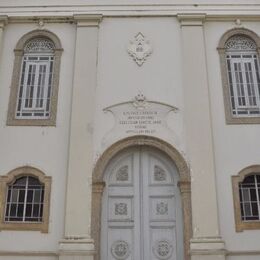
(98, 184)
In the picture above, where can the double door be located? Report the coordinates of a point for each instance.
(141, 213)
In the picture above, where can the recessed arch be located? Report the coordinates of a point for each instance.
(38, 34)
(98, 183)
(238, 31)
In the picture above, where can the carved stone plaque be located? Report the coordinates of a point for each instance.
(140, 117)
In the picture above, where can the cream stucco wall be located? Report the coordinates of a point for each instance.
(119, 79)
(45, 148)
(236, 146)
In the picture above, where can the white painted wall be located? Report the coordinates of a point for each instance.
(120, 79)
(42, 147)
(236, 146)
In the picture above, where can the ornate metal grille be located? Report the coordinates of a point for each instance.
(240, 43)
(249, 192)
(24, 202)
(39, 45)
(243, 76)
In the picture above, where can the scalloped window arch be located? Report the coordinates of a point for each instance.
(34, 89)
(241, 76)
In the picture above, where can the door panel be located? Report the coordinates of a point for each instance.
(141, 208)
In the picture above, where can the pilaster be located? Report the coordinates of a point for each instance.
(206, 242)
(3, 23)
(77, 242)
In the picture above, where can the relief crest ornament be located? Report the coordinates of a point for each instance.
(163, 249)
(120, 250)
(139, 49)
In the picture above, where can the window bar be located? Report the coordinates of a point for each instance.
(257, 196)
(10, 203)
(243, 202)
(25, 199)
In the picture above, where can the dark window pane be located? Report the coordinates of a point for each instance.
(42, 196)
(36, 211)
(21, 196)
(20, 210)
(28, 210)
(254, 209)
(13, 210)
(29, 196)
(37, 196)
(33, 181)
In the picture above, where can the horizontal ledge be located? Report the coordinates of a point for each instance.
(28, 253)
(243, 252)
(72, 19)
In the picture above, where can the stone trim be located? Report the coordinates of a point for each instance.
(98, 185)
(191, 19)
(87, 20)
(11, 177)
(242, 225)
(230, 119)
(19, 52)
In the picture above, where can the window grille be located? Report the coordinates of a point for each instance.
(249, 193)
(35, 89)
(243, 76)
(25, 199)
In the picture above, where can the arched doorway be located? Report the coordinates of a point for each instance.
(161, 235)
(141, 207)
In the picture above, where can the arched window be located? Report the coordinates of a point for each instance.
(34, 91)
(24, 195)
(24, 200)
(241, 76)
(246, 192)
(249, 193)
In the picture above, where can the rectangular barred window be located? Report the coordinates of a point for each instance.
(244, 82)
(35, 87)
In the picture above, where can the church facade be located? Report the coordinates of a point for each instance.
(129, 131)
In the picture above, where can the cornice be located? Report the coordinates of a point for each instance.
(87, 20)
(191, 19)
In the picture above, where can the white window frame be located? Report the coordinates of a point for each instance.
(235, 78)
(34, 111)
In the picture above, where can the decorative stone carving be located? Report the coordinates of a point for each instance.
(162, 208)
(122, 173)
(39, 45)
(163, 249)
(140, 116)
(159, 173)
(120, 249)
(139, 49)
(140, 101)
(120, 209)
(240, 43)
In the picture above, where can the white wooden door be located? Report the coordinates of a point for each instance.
(141, 212)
